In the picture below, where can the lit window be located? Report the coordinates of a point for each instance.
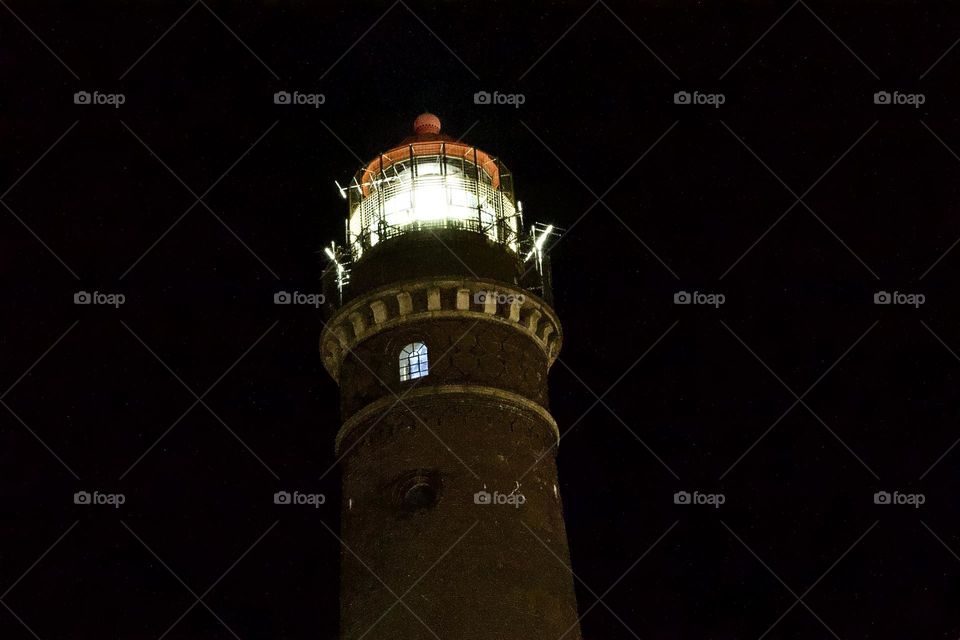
(413, 361)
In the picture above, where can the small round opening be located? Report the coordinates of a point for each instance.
(417, 490)
(420, 496)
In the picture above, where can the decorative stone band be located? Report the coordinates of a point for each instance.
(401, 402)
(396, 305)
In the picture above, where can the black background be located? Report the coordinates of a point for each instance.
(802, 498)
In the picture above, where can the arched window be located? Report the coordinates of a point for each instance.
(413, 361)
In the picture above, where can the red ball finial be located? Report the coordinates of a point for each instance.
(426, 123)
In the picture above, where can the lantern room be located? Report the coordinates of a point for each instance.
(431, 181)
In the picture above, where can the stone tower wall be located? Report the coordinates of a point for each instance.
(416, 453)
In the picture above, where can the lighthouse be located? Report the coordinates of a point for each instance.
(440, 337)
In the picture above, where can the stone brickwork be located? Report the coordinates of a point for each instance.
(393, 307)
(461, 351)
(498, 581)
(415, 453)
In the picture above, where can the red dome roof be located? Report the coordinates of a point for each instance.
(426, 123)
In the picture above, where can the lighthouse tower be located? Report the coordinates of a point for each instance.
(440, 340)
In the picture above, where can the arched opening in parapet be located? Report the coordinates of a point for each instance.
(414, 362)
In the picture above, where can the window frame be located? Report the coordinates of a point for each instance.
(414, 361)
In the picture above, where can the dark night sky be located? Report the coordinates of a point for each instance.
(799, 313)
